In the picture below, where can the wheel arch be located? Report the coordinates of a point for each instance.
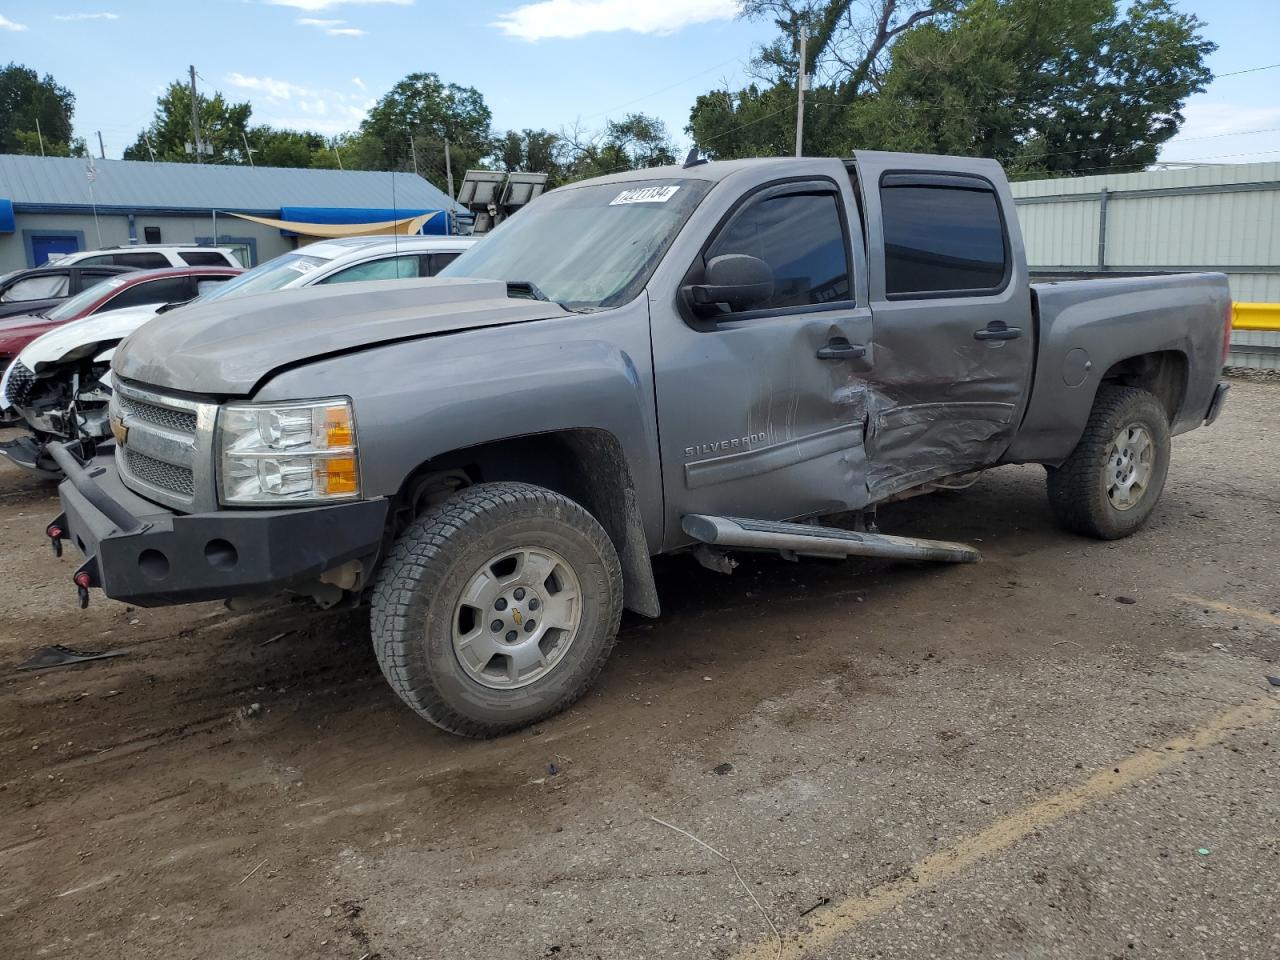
(1162, 373)
(588, 465)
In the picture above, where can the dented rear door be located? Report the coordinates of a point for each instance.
(954, 340)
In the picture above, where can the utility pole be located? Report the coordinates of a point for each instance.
(146, 137)
(413, 152)
(40, 135)
(802, 81)
(102, 151)
(333, 144)
(195, 115)
(448, 169)
(248, 150)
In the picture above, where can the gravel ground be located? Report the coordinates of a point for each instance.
(999, 760)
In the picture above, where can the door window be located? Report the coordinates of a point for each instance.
(801, 237)
(392, 268)
(144, 261)
(942, 239)
(204, 258)
(165, 290)
(101, 260)
(438, 261)
(48, 287)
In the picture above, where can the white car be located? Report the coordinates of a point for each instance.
(153, 256)
(61, 372)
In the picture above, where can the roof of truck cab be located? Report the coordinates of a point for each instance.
(716, 170)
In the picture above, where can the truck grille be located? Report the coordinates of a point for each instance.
(181, 420)
(165, 450)
(166, 476)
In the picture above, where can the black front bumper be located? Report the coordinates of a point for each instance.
(141, 553)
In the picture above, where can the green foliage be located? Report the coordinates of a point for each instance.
(1050, 87)
(25, 98)
(635, 142)
(222, 125)
(416, 117)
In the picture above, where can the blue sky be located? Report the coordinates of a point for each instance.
(544, 63)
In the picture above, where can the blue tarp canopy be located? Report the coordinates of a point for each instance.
(7, 223)
(343, 215)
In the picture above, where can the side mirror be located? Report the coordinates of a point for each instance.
(737, 280)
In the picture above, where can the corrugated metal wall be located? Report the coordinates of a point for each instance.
(1223, 217)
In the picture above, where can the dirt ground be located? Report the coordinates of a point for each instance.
(1003, 760)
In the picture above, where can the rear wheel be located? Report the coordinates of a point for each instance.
(497, 608)
(1113, 479)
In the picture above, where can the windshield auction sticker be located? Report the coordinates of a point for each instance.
(645, 195)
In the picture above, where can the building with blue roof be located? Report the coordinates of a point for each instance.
(58, 205)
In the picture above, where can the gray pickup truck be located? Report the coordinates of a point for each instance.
(705, 358)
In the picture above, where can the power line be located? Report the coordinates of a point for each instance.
(1236, 73)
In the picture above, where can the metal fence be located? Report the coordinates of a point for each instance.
(1223, 218)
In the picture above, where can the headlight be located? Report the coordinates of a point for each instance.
(289, 452)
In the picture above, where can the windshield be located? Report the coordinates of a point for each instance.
(72, 308)
(589, 247)
(272, 275)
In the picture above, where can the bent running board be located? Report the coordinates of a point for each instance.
(808, 540)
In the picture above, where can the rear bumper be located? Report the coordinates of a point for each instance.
(144, 554)
(1216, 404)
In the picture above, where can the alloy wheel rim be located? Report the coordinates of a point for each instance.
(1129, 466)
(516, 617)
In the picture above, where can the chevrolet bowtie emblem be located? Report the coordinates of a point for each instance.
(515, 615)
(119, 430)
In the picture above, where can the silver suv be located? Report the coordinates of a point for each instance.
(154, 256)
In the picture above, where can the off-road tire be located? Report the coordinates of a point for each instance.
(420, 582)
(1078, 488)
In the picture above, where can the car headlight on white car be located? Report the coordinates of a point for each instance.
(287, 452)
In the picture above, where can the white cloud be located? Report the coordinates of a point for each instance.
(577, 18)
(279, 89)
(86, 16)
(358, 82)
(333, 28)
(312, 6)
(7, 24)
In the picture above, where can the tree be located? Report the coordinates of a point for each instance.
(417, 116)
(632, 143)
(223, 126)
(35, 108)
(530, 151)
(1048, 88)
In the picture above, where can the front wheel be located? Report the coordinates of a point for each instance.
(1113, 479)
(497, 608)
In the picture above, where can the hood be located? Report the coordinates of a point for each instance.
(17, 332)
(94, 329)
(227, 347)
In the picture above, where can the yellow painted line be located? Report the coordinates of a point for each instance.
(1255, 316)
(1261, 616)
(842, 918)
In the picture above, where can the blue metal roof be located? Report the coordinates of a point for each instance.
(57, 181)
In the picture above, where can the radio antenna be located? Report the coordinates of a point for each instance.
(395, 215)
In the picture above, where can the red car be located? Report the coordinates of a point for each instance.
(133, 289)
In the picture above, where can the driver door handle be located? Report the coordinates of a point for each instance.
(997, 330)
(838, 348)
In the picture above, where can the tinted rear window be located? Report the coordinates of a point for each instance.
(143, 261)
(942, 239)
(203, 258)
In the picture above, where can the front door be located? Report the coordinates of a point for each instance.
(761, 411)
(954, 337)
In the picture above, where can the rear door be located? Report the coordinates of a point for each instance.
(954, 341)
